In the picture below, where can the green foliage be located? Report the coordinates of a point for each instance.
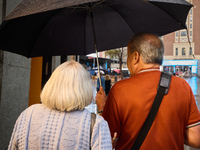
(113, 53)
(118, 54)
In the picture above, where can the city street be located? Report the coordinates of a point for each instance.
(195, 85)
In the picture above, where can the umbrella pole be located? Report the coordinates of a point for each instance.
(95, 42)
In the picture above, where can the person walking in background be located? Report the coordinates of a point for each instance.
(102, 81)
(107, 84)
(61, 121)
(129, 102)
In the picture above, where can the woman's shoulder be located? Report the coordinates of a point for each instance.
(33, 107)
(30, 108)
(38, 106)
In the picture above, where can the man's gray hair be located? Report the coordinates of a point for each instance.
(149, 46)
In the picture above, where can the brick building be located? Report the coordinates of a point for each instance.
(180, 54)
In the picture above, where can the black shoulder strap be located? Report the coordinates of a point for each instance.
(163, 88)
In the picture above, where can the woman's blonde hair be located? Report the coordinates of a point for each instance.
(69, 88)
(107, 77)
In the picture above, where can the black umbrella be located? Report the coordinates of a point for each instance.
(63, 27)
(79, 27)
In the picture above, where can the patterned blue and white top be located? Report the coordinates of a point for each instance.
(39, 127)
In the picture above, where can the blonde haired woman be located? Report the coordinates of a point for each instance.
(61, 121)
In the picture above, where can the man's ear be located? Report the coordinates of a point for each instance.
(136, 57)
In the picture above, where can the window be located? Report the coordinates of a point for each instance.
(176, 51)
(190, 18)
(190, 53)
(190, 33)
(191, 12)
(190, 26)
(183, 33)
(176, 34)
(183, 51)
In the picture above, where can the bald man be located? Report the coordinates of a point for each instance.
(129, 102)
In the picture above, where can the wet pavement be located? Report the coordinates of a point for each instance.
(194, 83)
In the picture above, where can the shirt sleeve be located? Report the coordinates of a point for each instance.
(194, 115)
(111, 115)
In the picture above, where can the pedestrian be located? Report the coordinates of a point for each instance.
(61, 120)
(99, 75)
(129, 102)
(107, 84)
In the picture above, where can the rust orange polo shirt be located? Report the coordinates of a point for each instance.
(129, 102)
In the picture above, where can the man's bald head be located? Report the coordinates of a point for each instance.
(149, 46)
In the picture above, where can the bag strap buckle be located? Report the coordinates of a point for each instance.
(165, 81)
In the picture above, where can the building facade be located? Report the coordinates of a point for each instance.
(182, 48)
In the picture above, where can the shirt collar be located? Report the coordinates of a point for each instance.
(147, 70)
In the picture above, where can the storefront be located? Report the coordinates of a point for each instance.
(188, 67)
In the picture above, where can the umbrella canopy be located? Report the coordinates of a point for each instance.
(63, 27)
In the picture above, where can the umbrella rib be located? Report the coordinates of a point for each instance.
(74, 9)
(98, 3)
(118, 2)
(85, 6)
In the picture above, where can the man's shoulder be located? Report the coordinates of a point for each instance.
(122, 83)
(179, 81)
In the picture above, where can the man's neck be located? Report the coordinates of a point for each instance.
(147, 67)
